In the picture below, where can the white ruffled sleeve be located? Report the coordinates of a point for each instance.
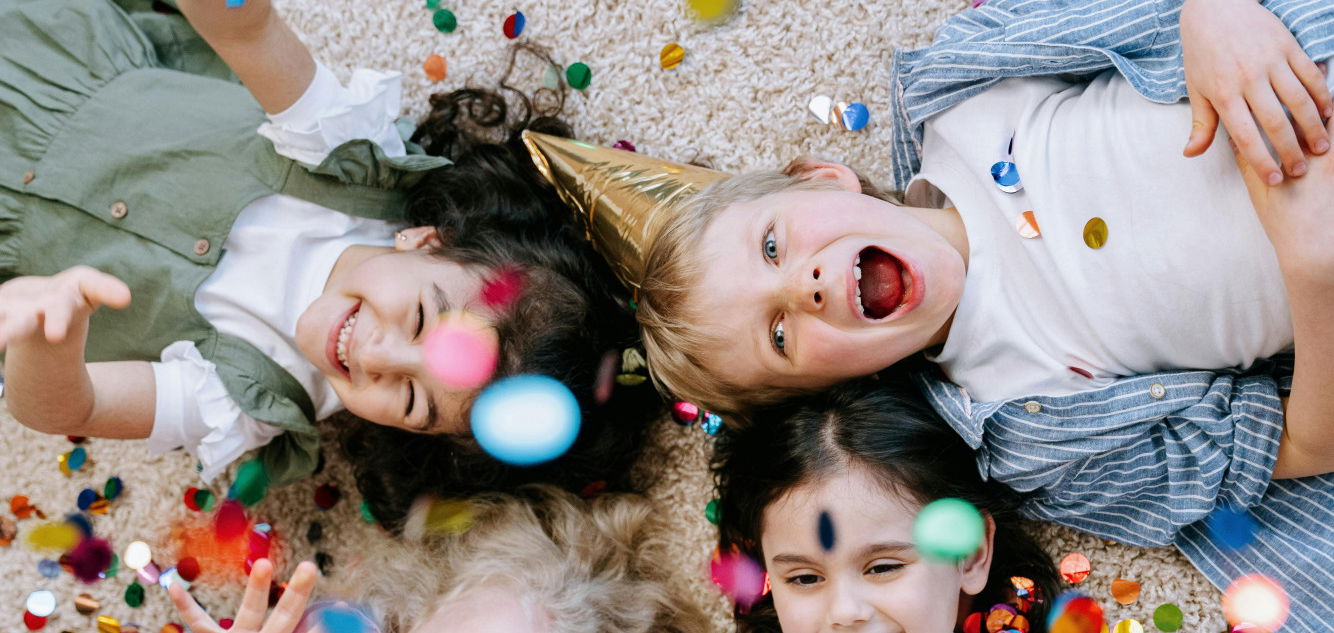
(195, 412)
(329, 114)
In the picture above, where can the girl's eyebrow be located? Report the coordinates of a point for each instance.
(887, 547)
(441, 299)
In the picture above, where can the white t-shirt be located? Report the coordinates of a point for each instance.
(276, 261)
(1186, 278)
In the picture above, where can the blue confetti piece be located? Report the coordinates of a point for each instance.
(711, 423)
(86, 498)
(826, 532)
(855, 117)
(235, 4)
(80, 521)
(343, 620)
(77, 458)
(1006, 175)
(1231, 528)
(48, 568)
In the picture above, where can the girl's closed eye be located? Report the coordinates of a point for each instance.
(421, 321)
(883, 568)
(803, 580)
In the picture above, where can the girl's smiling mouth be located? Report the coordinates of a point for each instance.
(340, 339)
(883, 286)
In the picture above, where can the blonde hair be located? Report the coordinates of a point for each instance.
(676, 346)
(592, 566)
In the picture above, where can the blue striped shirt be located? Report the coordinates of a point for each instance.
(1146, 459)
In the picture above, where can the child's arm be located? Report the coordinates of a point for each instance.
(1243, 65)
(258, 46)
(1295, 216)
(250, 615)
(43, 330)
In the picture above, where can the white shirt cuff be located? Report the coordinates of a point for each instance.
(329, 114)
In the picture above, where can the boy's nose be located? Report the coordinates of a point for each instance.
(808, 289)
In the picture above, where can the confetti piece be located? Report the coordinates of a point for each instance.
(826, 531)
(106, 623)
(685, 413)
(435, 68)
(22, 509)
(740, 577)
(433, 4)
(33, 622)
(514, 24)
(54, 536)
(77, 458)
(711, 423)
(578, 75)
(41, 603)
(444, 21)
(48, 568)
(188, 568)
(113, 488)
(525, 420)
(134, 595)
(551, 78)
(973, 623)
(340, 619)
(1231, 528)
(86, 498)
(1095, 233)
(821, 107)
(90, 558)
(235, 4)
(948, 529)
(712, 10)
(431, 516)
(624, 145)
(711, 511)
(462, 351)
(1075, 613)
(86, 604)
(854, 117)
(230, 522)
(1168, 618)
(8, 530)
(1027, 226)
(503, 288)
(1256, 600)
(1125, 591)
(1128, 626)
(172, 577)
(1006, 176)
(137, 555)
(1075, 568)
(251, 484)
(366, 512)
(671, 56)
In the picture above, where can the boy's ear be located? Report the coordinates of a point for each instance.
(975, 569)
(816, 168)
(417, 237)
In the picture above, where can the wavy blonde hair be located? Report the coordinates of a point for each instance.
(593, 566)
(676, 346)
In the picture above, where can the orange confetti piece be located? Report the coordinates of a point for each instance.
(1125, 591)
(1027, 225)
(1075, 568)
(435, 68)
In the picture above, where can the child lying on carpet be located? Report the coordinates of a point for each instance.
(544, 560)
(258, 278)
(863, 459)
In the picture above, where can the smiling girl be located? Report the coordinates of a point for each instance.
(865, 460)
(262, 281)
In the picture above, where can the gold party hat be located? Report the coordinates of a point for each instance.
(622, 197)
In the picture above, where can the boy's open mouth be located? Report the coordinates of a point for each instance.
(883, 283)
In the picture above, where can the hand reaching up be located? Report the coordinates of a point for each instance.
(250, 617)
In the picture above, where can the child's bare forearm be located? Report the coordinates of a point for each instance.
(47, 387)
(1307, 444)
(258, 46)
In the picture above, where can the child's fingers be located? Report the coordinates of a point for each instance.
(190, 611)
(57, 315)
(1304, 110)
(1255, 185)
(250, 615)
(1203, 127)
(1241, 127)
(16, 326)
(287, 614)
(1312, 76)
(101, 289)
(1269, 113)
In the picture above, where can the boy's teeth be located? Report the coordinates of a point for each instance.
(857, 272)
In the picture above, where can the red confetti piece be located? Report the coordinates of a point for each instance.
(258, 547)
(739, 577)
(188, 568)
(230, 522)
(1075, 568)
(76, 439)
(89, 558)
(327, 496)
(973, 623)
(226, 623)
(624, 145)
(502, 288)
(190, 498)
(33, 622)
(514, 25)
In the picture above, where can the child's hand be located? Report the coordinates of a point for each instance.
(52, 307)
(250, 617)
(1295, 216)
(1241, 61)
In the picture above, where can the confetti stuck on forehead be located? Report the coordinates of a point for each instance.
(826, 531)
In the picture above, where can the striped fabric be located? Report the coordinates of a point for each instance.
(1020, 38)
(1144, 460)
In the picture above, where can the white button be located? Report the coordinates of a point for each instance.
(1032, 407)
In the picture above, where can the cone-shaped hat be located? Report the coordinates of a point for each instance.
(623, 197)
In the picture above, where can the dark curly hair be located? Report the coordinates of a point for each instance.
(894, 435)
(492, 209)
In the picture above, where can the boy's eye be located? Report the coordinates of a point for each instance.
(780, 339)
(803, 580)
(770, 245)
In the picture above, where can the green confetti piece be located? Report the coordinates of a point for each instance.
(251, 484)
(711, 511)
(1167, 617)
(134, 595)
(578, 75)
(366, 512)
(444, 21)
(204, 500)
(432, 4)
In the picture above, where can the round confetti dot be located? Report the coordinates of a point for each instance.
(1075, 613)
(81, 523)
(514, 24)
(1027, 226)
(189, 498)
(8, 530)
(711, 10)
(366, 512)
(172, 627)
(1125, 591)
(551, 78)
(855, 117)
(77, 458)
(327, 496)
(230, 521)
(1257, 600)
(137, 555)
(188, 568)
(1006, 175)
(1128, 626)
(711, 423)
(826, 531)
(432, 4)
(711, 511)
(578, 75)
(113, 568)
(685, 413)
(89, 559)
(524, 420)
(1232, 529)
(739, 577)
(671, 56)
(1095, 233)
(54, 536)
(948, 529)
(107, 624)
(444, 21)
(462, 351)
(1168, 618)
(340, 619)
(33, 622)
(251, 484)
(435, 68)
(48, 568)
(86, 498)
(112, 489)
(134, 595)
(41, 603)
(86, 604)
(1075, 568)
(973, 623)
(204, 500)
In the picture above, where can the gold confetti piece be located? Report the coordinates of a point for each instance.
(107, 624)
(1095, 233)
(54, 536)
(1128, 626)
(671, 56)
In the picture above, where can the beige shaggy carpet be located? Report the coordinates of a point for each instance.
(737, 101)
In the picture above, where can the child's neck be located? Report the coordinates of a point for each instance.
(949, 224)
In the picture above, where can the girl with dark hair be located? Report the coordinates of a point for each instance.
(823, 493)
(276, 252)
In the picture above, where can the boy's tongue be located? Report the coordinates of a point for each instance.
(881, 283)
